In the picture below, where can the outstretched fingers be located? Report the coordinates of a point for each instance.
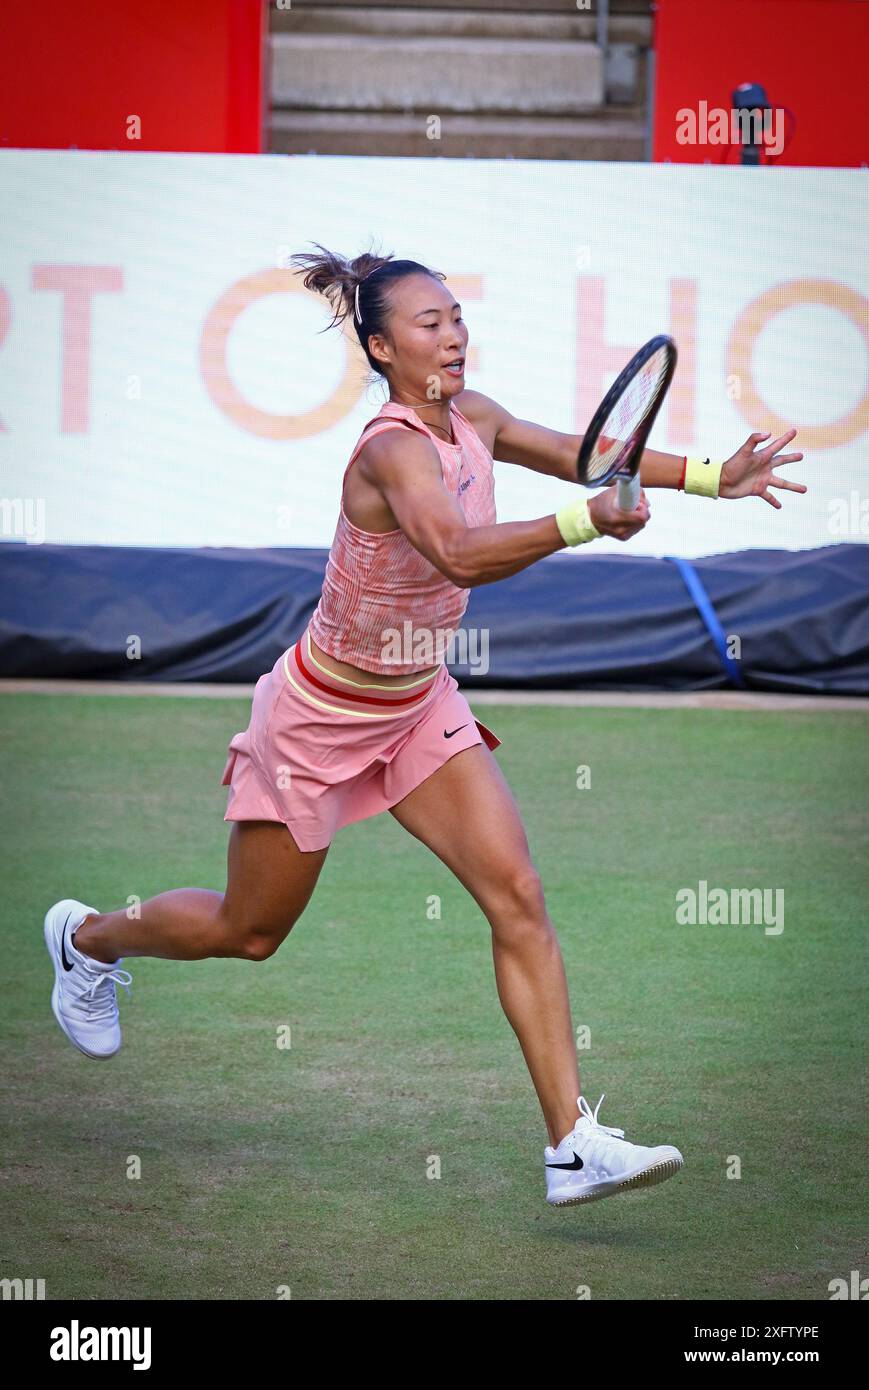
(785, 484)
(772, 449)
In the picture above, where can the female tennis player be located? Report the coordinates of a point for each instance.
(345, 726)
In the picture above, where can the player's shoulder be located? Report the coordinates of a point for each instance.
(391, 449)
(480, 410)
(485, 416)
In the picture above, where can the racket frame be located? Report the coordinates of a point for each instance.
(627, 468)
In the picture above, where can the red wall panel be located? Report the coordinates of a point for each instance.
(72, 75)
(810, 55)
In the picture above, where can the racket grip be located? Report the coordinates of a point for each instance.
(629, 492)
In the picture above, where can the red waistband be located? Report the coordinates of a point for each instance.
(352, 695)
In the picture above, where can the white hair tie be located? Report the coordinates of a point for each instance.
(361, 282)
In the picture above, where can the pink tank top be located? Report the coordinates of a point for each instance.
(378, 583)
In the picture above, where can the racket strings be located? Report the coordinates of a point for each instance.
(628, 415)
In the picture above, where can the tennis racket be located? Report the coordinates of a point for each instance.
(613, 444)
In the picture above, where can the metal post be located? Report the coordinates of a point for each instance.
(603, 15)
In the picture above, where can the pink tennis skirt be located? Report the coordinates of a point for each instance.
(321, 752)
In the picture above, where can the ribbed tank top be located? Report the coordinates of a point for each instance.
(376, 583)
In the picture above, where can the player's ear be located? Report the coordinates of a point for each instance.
(378, 348)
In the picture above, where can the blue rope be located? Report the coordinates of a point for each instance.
(694, 585)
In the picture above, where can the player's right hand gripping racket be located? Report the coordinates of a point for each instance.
(614, 442)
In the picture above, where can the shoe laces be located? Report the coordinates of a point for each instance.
(587, 1113)
(102, 1006)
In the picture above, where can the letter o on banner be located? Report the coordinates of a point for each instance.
(224, 392)
(740, 348)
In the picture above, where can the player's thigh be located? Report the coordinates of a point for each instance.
(269, 880)
(467, 815)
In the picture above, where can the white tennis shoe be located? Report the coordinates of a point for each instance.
(596, 1161)
(83, 999)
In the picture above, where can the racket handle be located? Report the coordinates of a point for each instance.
(629, 492)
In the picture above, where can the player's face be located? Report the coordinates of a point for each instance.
(428, 339)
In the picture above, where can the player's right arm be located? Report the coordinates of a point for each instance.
(405, 469)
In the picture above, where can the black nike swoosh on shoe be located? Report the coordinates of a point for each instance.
(67, 964)
(454, 731)
(571, 1167)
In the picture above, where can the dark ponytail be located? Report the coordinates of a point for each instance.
(336, 279)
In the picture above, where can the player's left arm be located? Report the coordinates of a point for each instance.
(748, 473)
(549, 451)
(520, 441)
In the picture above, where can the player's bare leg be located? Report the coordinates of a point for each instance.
(269, 883)
(465, 813)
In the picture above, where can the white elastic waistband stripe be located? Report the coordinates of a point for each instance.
(336, 709)
(361, 685)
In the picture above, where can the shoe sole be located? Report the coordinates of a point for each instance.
(53, 951)
(646, 1177)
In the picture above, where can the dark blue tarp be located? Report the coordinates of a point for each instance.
(607, 622)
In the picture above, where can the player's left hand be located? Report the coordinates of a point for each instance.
(749, 473)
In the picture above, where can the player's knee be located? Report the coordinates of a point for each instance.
(522, 905)
(259, 945)
(251, 937)
(526, 888)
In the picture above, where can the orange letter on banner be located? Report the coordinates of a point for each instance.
(748, 327)
(5, 324)
(597, 360)
(224, 392)
(468, 288)
(78, 284)
(679, 404)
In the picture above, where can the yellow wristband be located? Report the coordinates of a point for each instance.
(575, 524)
(703, 478)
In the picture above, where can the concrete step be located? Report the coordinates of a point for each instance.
(402, 21)
(333, 72)
(279, 7)
(607, 136)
